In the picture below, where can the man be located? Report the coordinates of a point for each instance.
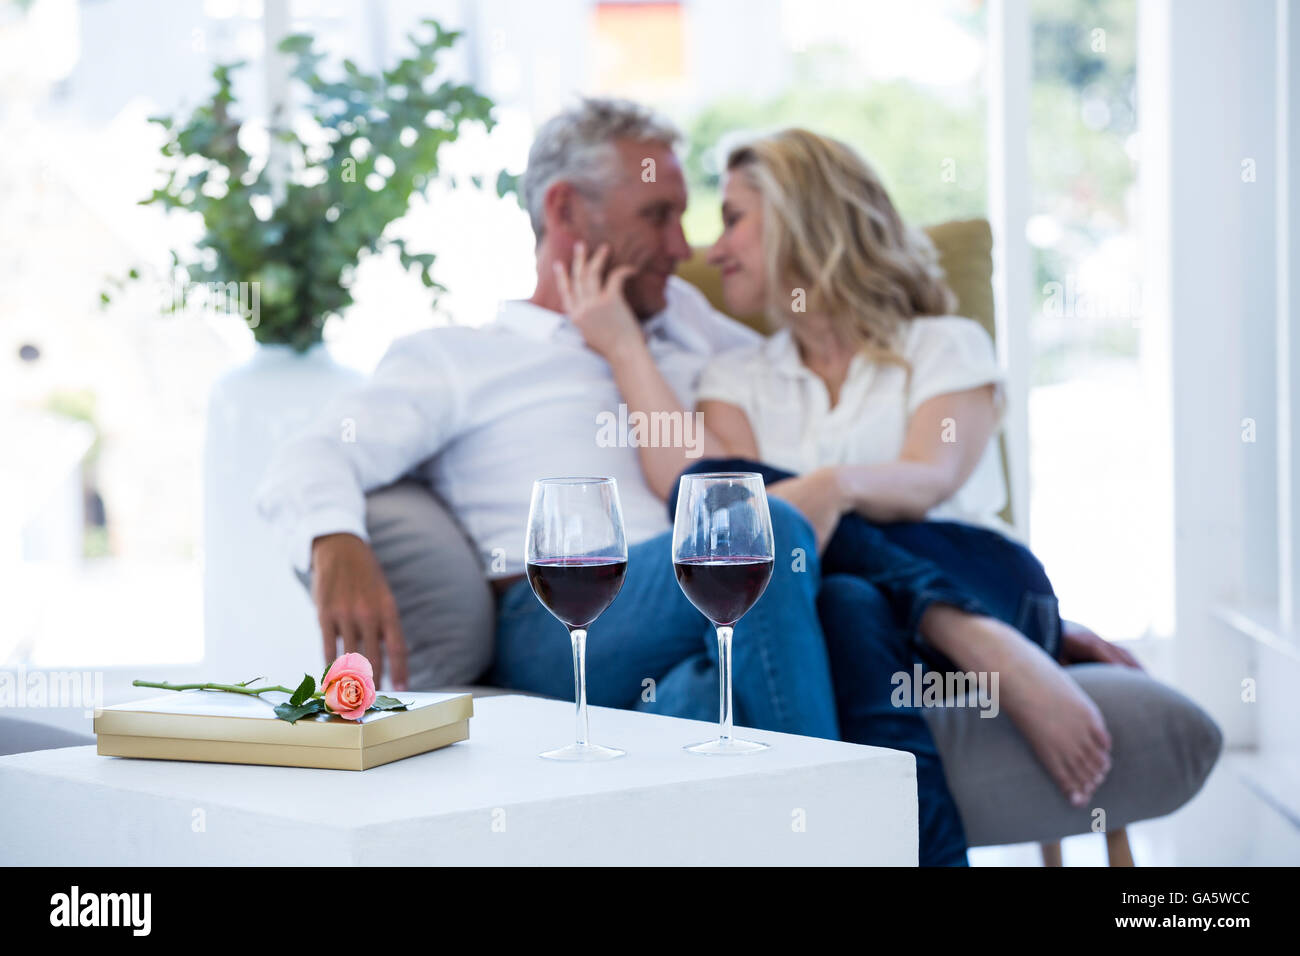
(479, 413)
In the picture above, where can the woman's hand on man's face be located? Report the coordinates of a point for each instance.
(596, 305)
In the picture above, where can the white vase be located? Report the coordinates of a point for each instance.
(258, 619)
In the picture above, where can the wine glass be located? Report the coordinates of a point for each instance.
(722, 555)
(576, 557)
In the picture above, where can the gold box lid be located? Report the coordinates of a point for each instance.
(214, 715)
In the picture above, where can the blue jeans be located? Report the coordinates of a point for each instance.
(866, 649)
(877, 581)
(874, 586)
(918, 563)
(993, 575)
(781, 676)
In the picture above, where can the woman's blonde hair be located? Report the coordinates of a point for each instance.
(830, 229)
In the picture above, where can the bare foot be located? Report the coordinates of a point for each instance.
(1059, 720)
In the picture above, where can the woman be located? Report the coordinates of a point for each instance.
(884, 404)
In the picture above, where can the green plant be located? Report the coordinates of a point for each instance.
(297, 225)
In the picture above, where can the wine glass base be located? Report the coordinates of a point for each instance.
(583, 752)
(727, 747)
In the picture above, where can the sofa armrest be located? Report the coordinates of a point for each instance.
(447, 608)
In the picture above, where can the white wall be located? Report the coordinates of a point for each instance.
(1211, 184)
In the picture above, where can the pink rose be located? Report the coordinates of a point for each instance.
(350, 686)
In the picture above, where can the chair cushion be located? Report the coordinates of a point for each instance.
(1163, 747)
(965, 250)
(447, 608)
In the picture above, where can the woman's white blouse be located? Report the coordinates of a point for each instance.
(797, 430)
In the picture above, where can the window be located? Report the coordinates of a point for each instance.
(1094, 436)
(100, 523)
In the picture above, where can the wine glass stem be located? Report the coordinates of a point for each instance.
(579, 638)
(724, 678)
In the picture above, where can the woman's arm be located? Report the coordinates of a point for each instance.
(596, 306)
(730, 429)
(945, 440)
(817, 496)
(645, 390)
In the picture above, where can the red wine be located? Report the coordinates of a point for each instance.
(576, 590)
(723, 588)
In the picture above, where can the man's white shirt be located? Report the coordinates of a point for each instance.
(479, 414)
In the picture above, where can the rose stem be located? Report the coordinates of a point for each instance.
(228, 688)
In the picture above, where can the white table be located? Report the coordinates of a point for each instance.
(488, 800)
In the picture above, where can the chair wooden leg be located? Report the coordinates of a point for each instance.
(1118, 852)
(1051, 854)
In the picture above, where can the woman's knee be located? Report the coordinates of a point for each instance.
(707, 465)
(1027, 567)
(1013, 561)
(847, 593)
(703, 467)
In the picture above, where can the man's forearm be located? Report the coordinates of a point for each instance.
(311, 490)
(317, 483)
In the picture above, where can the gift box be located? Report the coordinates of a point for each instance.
(232, 728)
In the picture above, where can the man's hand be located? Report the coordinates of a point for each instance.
(353, 602)
(1081, 645)
(818, 497)
(595, 303)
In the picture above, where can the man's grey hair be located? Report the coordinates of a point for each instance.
(577, 146)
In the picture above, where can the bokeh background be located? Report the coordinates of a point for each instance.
(101, 522)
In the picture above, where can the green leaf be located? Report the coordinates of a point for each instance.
(508, 183)
(294, 714)
(303, 262)
(387, 703)
(305, 690)
(296, 43)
